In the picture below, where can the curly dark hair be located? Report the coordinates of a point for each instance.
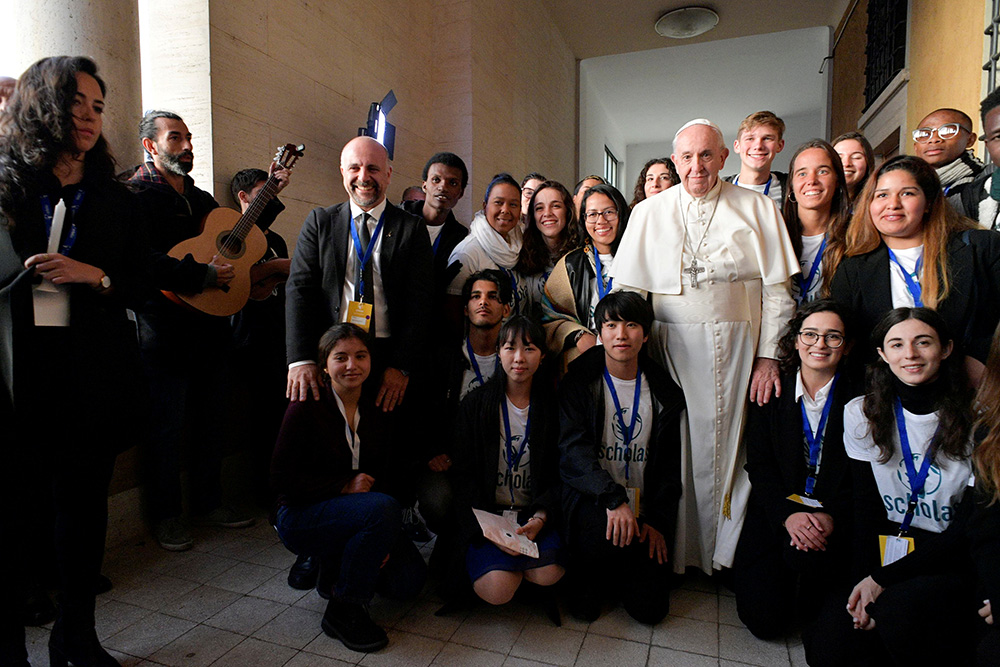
(639, 192)
(954, 407)
(36, 129)
(535, 255)
(788, 355)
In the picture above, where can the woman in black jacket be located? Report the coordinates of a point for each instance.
(506, 462)
(907, 247)
(793, 558)
(72, 259)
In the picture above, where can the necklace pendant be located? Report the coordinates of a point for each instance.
(693, 272)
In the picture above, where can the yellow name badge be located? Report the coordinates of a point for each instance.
(808, 502)
(633, 499)
(360, 313)
(893, 548)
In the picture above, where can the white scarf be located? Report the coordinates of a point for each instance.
(957, 172)
(503, 253)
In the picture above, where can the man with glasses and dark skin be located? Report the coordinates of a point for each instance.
(943, 139)
(981, 198)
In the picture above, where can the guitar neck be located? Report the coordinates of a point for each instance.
(256, 207)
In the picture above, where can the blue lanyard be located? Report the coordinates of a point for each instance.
(513, 462)
(365, 256)
(627, 433)
(815, 440)
(602, 289)
(806, 285)
(437, 243)
(912, 286)
(475, 364)
(47, 212)
(513, 285)
(767, 186)
(916, 479)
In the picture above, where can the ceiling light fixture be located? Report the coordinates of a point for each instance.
(686, 22)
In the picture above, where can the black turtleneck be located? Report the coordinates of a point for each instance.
(920, 399)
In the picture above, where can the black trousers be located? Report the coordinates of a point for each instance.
(599, 567)
(777, 586)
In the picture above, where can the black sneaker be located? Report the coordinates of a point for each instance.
(413, 527)
(350, 623)
(304, 573)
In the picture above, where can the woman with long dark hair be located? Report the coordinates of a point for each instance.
(507, 462)
(551, 230)
(816, 215)
(793, 559)
(72, 259)
(907, 247)
(910, 440)
(581, 278)
(657, 175)
(333, 480)
(857, 158)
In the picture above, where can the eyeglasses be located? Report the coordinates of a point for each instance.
(609, 214)
(810, 338)
(922, 135)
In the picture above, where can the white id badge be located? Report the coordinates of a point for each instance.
(511, 515)
(894, 548)
(805, 500)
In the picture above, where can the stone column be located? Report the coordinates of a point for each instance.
(106, 31)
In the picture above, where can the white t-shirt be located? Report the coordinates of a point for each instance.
(487, 366)
(908, 257)
(595, 295)
(611, 452)
(434, 231)
(775, 191)
(810, 248)
(520, 479)
(946, 481)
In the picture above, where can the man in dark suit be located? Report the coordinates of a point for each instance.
(329, 280)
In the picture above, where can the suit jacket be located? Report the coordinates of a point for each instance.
(971, 309)
(313, 290)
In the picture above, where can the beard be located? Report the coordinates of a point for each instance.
(172, 162)
(362, 201)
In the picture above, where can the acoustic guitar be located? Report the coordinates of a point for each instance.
(237, 240)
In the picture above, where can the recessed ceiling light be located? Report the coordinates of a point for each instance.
(686, 22)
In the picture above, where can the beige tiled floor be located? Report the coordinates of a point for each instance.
(226, 603)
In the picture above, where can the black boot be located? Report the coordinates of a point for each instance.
(304, 572)
(77, 646)
(38, 608)
(12, 650)
(350, 623)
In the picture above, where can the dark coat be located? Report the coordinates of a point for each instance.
(581, 428)
(971, 308)
(776, 464)
(313, 291)
(97, 371)
(451, 234)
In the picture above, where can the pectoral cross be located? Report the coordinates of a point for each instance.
(693, 272)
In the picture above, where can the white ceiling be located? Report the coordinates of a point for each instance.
(649, 94)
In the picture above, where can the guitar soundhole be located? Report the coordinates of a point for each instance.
(230, 246)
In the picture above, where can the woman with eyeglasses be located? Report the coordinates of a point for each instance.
(657, 175)
(907, 247)
(582, 278)
(909, 438)
(793, 559)
(550, 232)
(494, 242)
(858, 159)
(816, 216)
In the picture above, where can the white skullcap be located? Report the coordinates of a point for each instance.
(698, 121)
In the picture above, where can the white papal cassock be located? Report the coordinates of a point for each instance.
(708, 337)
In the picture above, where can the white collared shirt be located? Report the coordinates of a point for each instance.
(814, 411)
(381, 311)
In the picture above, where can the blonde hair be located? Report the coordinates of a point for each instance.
(940, 222)
(761, 118)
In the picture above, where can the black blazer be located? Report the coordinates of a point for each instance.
(313, 290)
(776, 463)
(971, 309)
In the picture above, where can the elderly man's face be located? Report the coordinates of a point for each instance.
(699, 156)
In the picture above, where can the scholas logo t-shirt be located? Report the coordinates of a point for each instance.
(946, 481)
(611, 451)
(516, 477)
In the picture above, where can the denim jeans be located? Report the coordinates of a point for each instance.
(358, 530)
